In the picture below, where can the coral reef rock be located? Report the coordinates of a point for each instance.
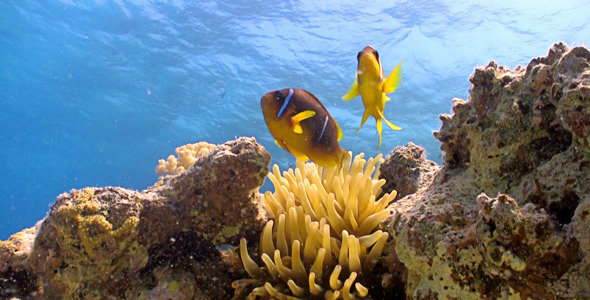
(187, 156)
(407, 169)
(508, 213)
(169, 241)
(16, 276)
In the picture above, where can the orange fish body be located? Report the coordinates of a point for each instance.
(301, 125)
(371, 85)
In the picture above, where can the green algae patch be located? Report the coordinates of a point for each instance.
(225, 233)
(95, 231)
(115, 243)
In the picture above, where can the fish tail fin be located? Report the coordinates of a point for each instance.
(353, 91)
(393, 80)
(365, 117)
(393, 126)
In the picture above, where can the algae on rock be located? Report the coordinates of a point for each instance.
(110, 242)
(522, 135)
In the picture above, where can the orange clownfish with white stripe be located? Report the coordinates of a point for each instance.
(373, 87)
(301, 125)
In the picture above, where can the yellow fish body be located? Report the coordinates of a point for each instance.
(373, 87)
(301, 125)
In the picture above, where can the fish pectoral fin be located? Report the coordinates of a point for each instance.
(392, 81)
(296, 119)
(306, 114)
(353, 91)
(394, 127)
(297, 129)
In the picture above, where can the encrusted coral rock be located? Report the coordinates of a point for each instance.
(90, 237)
(16, 277)
(404, 168)
(507, 214)
(515, 121)
(519, 244)
(187, 156)
(216, 197)
(111, 242)
(173, 284)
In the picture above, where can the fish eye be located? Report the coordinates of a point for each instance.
(278, 94)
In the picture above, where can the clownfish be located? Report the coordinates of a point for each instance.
(301, 125)
(370, 83)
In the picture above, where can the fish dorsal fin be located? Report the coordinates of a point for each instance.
(353, 91)
(393, 80)
(296, 119)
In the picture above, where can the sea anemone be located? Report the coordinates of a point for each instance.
(322, 235)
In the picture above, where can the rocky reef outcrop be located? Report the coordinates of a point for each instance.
(169, 241)
(507, 215)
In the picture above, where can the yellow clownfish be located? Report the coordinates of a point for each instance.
(370, 84)
(301, 125)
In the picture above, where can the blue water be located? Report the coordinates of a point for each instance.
(93, 93)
